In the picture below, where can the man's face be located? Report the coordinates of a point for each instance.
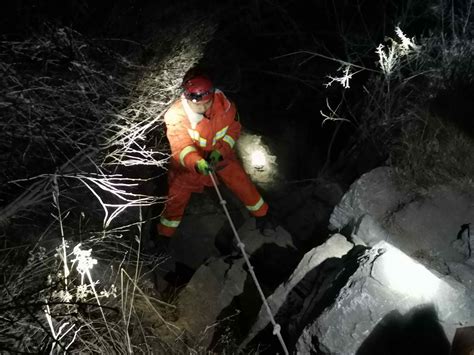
(200, 107)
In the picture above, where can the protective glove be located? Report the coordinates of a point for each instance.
(215, 157)
(202, 167)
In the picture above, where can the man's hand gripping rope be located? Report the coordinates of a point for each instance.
(209, 165)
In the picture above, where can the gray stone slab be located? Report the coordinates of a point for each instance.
(385, 283)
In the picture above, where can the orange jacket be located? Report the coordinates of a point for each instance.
(218, 129)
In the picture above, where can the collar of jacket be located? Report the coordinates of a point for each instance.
(193, 117)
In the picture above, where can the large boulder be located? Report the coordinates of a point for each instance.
(374, 193)
(430, 226)
(391, 302)
(352, 299)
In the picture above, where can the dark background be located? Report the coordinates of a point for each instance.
(253, 57)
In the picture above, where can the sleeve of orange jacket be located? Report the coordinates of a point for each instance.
(227, 143)
(182, 146)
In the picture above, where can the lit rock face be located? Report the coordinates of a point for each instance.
(351, 299)
(389, 302)
(427, 227)
(403, 288)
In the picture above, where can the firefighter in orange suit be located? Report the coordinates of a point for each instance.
(202, 128)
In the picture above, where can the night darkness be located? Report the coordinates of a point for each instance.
(82, 79)
(253, 53)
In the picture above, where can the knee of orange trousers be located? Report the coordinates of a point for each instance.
(237, 180)
(262, 211)
(178, 199)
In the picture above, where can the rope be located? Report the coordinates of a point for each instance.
(276, 326)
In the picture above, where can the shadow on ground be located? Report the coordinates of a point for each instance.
(416, 332)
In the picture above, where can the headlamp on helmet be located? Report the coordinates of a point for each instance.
(198, 89)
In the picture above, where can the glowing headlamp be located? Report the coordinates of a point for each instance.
(258, 160)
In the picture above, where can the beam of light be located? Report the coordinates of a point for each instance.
(404, 275)
(258, 159)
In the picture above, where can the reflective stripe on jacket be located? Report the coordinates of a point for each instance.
(218, 129)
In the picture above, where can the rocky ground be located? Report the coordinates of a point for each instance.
(395, 275)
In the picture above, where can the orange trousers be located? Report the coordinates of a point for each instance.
(232, 175)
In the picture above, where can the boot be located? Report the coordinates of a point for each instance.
(266, 225)
(161, 245)
(155, 243)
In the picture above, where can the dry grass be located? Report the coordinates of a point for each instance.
(400, 113)
(434, 154)
(79, 125)
(433, 144)
(44, 310)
